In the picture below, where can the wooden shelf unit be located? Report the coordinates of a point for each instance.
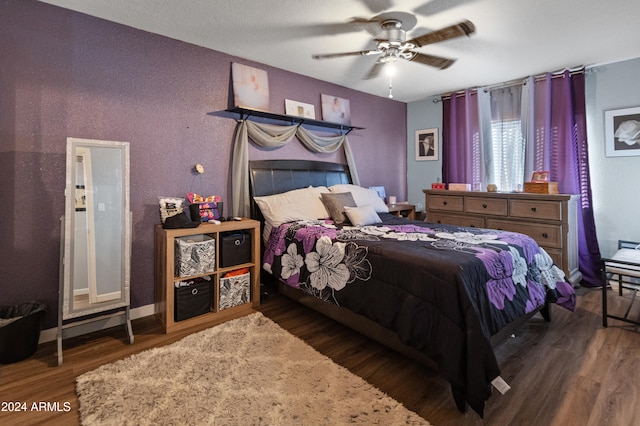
(550, 219)
(165, 274)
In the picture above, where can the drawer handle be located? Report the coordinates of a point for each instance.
(439, 221)
(533, 209)
(444, 203)
(484, 206)
(545, 235)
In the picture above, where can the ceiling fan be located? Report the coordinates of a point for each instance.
(389, 30)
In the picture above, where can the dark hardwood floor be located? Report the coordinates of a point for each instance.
(571, 371)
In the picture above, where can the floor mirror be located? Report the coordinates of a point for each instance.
(95, 243)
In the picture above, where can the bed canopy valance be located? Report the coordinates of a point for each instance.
(276, 136)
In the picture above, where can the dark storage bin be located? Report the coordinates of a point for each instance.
(192, 300)
(20, 327)
(235, 248)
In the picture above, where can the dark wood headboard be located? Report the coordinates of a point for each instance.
(268, 177)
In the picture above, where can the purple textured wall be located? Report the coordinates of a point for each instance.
(65, 74)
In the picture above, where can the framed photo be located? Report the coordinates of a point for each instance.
(299, 109)
(427, 145)
(81, 198)
(250, 87)
(381, 192)
(622, 132)
(335, 109)
(540, 176)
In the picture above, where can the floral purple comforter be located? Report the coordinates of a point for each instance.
(445, 290)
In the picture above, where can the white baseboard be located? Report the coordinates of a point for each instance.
(143, 311)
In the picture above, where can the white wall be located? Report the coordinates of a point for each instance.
(421, 115)
(615, 180)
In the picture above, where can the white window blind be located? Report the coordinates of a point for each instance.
(508, 151)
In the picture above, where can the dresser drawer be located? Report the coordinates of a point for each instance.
(489, 206)
(531, 209)
(458, 220)
(545, 235)
(452, 203)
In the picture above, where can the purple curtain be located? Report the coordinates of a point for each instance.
(561, 128)
(559, 123)
(460, 134)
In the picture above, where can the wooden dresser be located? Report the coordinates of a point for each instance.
(550, 219)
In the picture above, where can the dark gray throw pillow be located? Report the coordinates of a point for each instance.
(335, 203)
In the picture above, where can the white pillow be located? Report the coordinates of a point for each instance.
(297, 204)
(362, 196)
(363, 215)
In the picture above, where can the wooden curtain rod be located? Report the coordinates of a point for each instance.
(516, 82)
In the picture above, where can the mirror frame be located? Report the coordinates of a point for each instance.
(68, 310)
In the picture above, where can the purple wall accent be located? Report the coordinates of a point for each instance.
(65, 74)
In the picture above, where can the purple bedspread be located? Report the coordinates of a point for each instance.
(445, 290)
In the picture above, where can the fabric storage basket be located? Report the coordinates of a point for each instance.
(192, 299)
(195, 255)
(235, 248)
(235, 290)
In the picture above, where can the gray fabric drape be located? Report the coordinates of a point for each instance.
(274, 136)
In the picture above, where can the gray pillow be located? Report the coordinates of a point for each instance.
(335, 203)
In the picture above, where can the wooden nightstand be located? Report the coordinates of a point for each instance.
(403, 210)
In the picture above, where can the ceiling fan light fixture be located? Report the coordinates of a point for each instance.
(390, 56)
(390, 69)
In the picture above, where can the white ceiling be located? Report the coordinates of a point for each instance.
(513, 39)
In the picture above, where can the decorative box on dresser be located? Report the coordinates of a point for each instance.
(166, 275)
(550, 219)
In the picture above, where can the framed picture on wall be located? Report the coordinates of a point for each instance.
(427, 145)
(335, 109)
(250, 87)
(622, 132)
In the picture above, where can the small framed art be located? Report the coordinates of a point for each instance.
(622, 132)
(299, 109)
(427, 144)
(81, 198)
(381, 192)
(540, 176)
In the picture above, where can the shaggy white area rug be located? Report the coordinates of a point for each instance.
(247, 371)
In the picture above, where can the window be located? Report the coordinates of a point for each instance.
(508, 151)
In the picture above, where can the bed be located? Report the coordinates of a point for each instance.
(436, 293)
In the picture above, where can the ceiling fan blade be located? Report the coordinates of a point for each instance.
(463, 28)
(433, 7)
(372, 26)
(375, 70)
(433, 61)
(340, 55)
(377, 6)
